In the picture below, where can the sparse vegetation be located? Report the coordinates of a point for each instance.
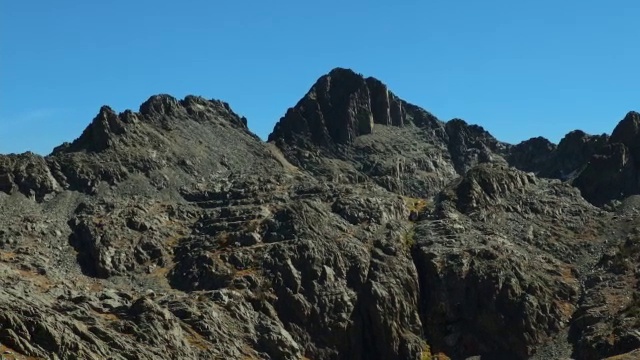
(416, 204)
(408, 239)
(254, 225)
(441, 356)
(428, 355)
(426, 352)
(224, 239)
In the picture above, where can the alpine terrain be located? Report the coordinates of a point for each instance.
(364, 228)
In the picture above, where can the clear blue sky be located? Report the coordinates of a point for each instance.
(518, 68)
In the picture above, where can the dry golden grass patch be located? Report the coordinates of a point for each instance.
(566, 308)
(634, 355)
(106, 316)
(566, 272)
(161, 271)
(196, 340)
(40, 281)
(617, 300)
(244, 272)
(415, 204)
(441, 356)
(254, 225)
(7, 256)
(96, 286)
(172, 241)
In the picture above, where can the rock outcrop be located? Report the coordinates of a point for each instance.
(365, 228)
(353, 128)
(565, 161)
(613, 172)
(28, 174)
(341, 106)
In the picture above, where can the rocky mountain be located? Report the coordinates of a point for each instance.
(364, 228)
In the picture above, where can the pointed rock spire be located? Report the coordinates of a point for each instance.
(339, 107)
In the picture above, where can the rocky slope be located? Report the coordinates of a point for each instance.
(365, 228)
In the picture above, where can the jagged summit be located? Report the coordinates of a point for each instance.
(364, 127)
(100, 133)
(179, 139)
(627, 130)
(162, 111)
(613, 172)
(159, 104)
(345, 124)
(341, 106)
(194, 106)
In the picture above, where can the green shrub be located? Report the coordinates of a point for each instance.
(408, 239)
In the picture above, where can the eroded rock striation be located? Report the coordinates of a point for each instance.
(365, 228)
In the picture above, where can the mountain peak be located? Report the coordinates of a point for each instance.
(99, 134)
(159, 104)
(162, 110)
(340, 106)
(627, 130)
(344, 73)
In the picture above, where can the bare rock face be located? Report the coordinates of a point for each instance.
(627, 131)
(612, 173)
(115, 147)
(487, 185)
(28, 174)
(489, 285)
(365, 228)
(574, 152)
(603, 167)
(341, 106)
(470, 145)
(565, 161)
(532, 155)
(102, 133)
(352, 129)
